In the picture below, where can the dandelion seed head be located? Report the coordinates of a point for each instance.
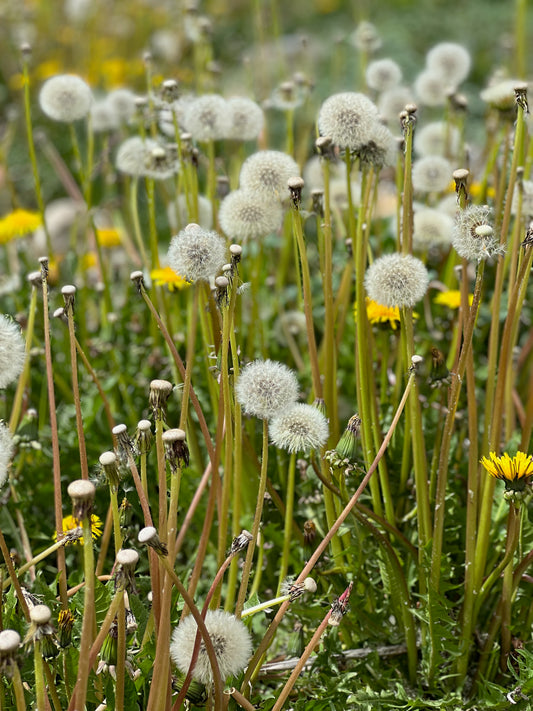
(65, 98)
(449, 60)
(473, 237)
(231, 641)
(247, 215)
(246, 119)
(527, 199)
(431, 228)
(431, 89)
(12, 351)
(366, 37)
(437, 138)
(122, 102)
(266, 387)
(196, 253)
(103, 117)
(267, 172)
(207, 117)
(431, 174)
(379, 149)
(7, 449)
(383, 74)
(397, 280)
(500, 93)
(347, 119)
(178, 213)
(392, 102)
(132, 155)
(301, 428)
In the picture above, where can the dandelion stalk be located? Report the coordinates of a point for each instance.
(40, 685)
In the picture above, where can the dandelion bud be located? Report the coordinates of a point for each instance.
(65, 624)
(149, 537)
(109, 463)
(108, 653)
(9, 645)
(196, 693)
(339, 607)
(127, 559)
(296, 185)
(160, 391)
(309, 532)
(347, 446)
(82, 494)
(176, 449)
(143, 436)
(240, 542)
(460, 177)
(295, 590)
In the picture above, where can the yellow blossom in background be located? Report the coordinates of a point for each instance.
(167, 276)
(47, 69)
(88, 261)
(17, 224)
(451, 298)
(476, 190)
(70, 524)
(514, 471)
(109, 237)
(376, 313)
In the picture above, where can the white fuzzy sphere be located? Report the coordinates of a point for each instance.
(12, 351)
(65, 98)
(265, 387)
(397, 280)
(299, 429)
(196, 254)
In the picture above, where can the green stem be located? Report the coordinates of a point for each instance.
(287, 531)
(40, 684)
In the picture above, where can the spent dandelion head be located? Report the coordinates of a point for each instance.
(267, 172)
(397, 280)
(65, 98)
(42, 631)
(347, 119)
(245, 215)
(196, 253)
(299, 428)
(265, 388)
(12, 351)
(9, 646)
(473, 236)
(82, 492)
(515, 472)
(231, 641)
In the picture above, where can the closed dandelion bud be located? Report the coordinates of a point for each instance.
(65, 98)
(12, 351)
(176, 449)
(231, 641)
(82, 494)
(348, 444)
(300, 428)
(143, 436)
(9, 645)
(397, 280)
(65, 624)
(339, 607)
(109, 463)
(265, 388)
(295, 590)
(309, 532)
(267, 172)
(160, 391)
(240, 542)
(196, 254)
(149, 537)
(108, 653)
(169, 91)
(347, 119)
(127, 559)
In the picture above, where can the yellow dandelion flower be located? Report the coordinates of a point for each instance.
(451, 298)
(108, 237)
(88, 261)
(376, 313)
(476, 190)
(167, 276)
(70, 524)
(17, 224)
(514, 471)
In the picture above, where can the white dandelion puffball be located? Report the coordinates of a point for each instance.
(299, 429)
(431, 174)
(196, 254)
(6, 451)
(431, 89)
(246, 119)
(133, 155)
(12, 351)
(207, 117)
(473, 236)
(231, 641)
(265, 387)
(437, 138)
(383, 74)
(267, 172)
(432, 228)
(347, 119)
(397, 280)
(451, 61)
(247, 215)
(65, 98)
